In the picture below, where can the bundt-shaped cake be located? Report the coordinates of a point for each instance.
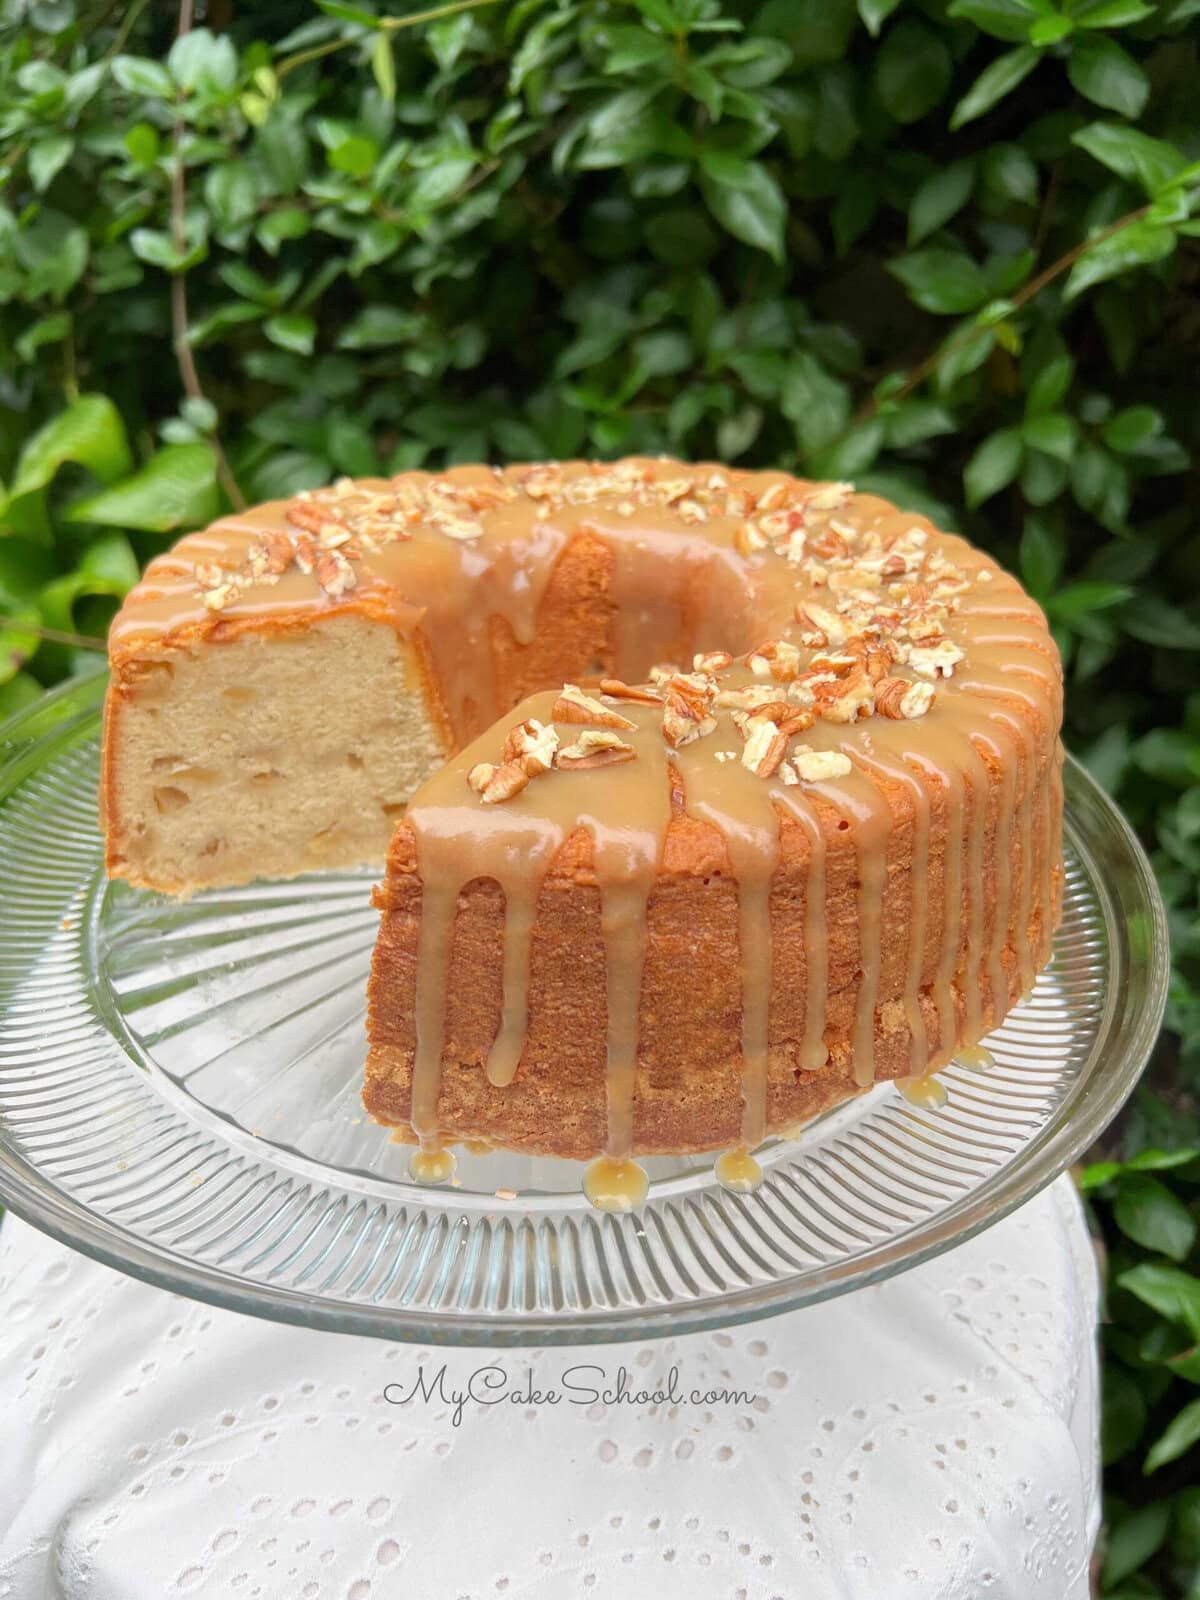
(756, 799)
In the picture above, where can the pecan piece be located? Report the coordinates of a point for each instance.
(640, 693)
(573, 705)
(815, 766)
(494, 784)
(532, 744)
(765, 747)
(310, 515)
(594, 748)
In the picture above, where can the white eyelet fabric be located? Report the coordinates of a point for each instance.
(931, 1438)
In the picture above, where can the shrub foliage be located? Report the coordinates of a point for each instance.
(946, 250)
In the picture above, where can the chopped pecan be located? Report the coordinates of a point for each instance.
(494, 784)
(765, 747)
(846, 699)
(573, 705)
(889, 692)
(749, 538)
(709, 661)
(595, 747)
(828, 545)
(641, 693)
(777, 658)
(310, 515)
(532, 744)
(814, 766)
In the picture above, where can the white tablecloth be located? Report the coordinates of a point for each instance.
(931, 1438)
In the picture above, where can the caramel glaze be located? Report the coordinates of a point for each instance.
(454, 580)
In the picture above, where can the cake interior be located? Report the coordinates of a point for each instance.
(326, 717)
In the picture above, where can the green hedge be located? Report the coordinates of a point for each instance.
(945, 250)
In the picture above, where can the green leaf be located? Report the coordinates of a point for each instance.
(1131, 154)
(875, 13)
(816, 402)
(283, 146)
(1185, 1525)
(1050, 385)
(994, 82)
(142, 76)
(913, 71)
(159, 249)
(1170, 755)
(1157, 622)
(1003, 19)
(47, 157)
(1169, 1291)
(913, 421)
(1127, 430)
(1053, 432)
(89, 432)
(1133, 1540)
(19, 692)
(383, 66)
(1151, 1215)
(46, 330)
(1111, 13)
(942, 281)
(1180, 1434)
(1081, 599)
(231, 192)
(746, 200)
(1122, 1413)
(1105, 73)
(1161, 1160)
(175, 489)
(1140, 244)
(348, 13)
(1097, 1175)
(53, 251)
(292, 331)
(993, 466)
(142, 142)
(1043, 553)
(1010, 174)
(17, 644)
(355, 156)
(376, 327)
(941, 196)
(203, 62)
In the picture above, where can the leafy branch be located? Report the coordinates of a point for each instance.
(383, 25)
(969, 332)
(179, 306)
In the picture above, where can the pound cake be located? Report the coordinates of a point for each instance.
(713, 797)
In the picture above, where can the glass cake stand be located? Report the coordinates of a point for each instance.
(179, 1098)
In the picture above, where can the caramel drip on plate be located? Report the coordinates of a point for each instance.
(738, 1171)
(927, 1093)
(975, 1058)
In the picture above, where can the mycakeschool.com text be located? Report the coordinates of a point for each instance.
(584, 1384)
